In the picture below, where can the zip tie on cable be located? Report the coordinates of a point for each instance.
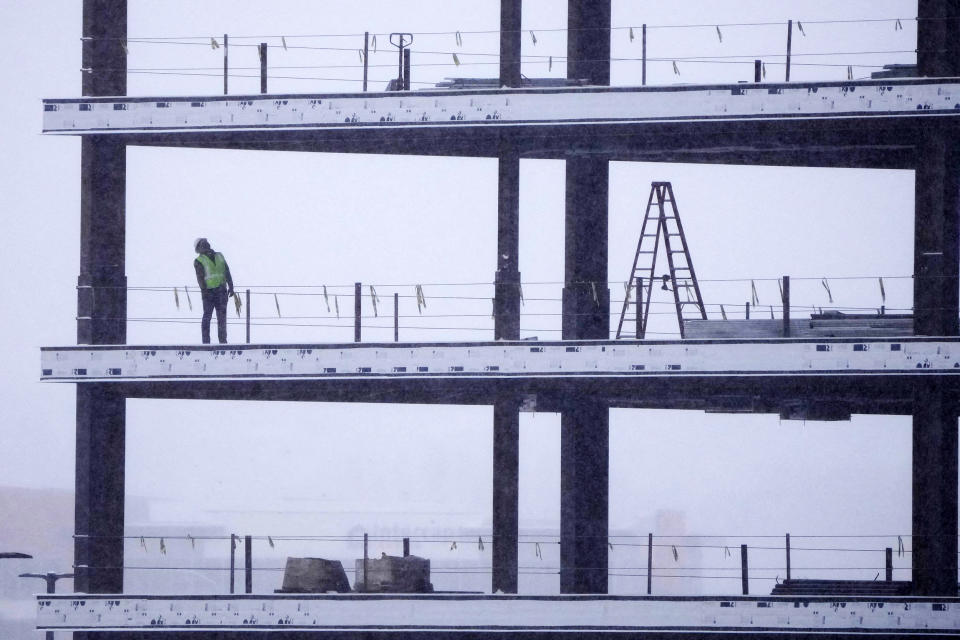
(189, 301)
(780, 287)
(726, 552)
(176, 298)
(537, 551)
(610, 544)
(723, 313)
(193, 541)
(126, 50)
(276, 301)
(480, 543)
(676, 556)
(373, 300)
(771, 313)
(719, 35)
(453, 545)
(143, 543)
(237, 303)
(897, 26)
(593, 287)
(214, 44)
(631, 34)
(421, 299)
(336, 304)
(763, 69)
(520, 289)
(826, 285)
(456, 60)
(270, 542)
(675, 69)
(360, 53)
(883, 294)
(753, 293)
(533, 37)
(899, 546)
(284, 41)
(374, 43)
(850, 77)
(459, 39)
(550, 63)
(326, 299)
(163, 547)
(800, 27)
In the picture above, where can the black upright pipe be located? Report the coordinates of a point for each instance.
(786, 306)
(788, 555)
(510, 42)
(366, 56)
(263, 67)
(226, 46)
(757, 70)
(396, 317)
(247, 564)
(506, 314)
(233, 560)
(744, 570)
(406, 69)
(789, 46)
(644, 67)
(357, 296)
(248, 315)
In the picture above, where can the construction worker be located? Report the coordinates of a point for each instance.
(216, 285)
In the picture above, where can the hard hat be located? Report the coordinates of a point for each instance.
(198, 242)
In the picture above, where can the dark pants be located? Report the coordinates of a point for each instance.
(214, 299)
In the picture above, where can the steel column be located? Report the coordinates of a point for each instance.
(588, 40)
(507, 278)
(510, 41)
(584, 496)
(586, 298)
(506, 473)
(938, 38)
(101, 313)
(935, 489)
(936, 233)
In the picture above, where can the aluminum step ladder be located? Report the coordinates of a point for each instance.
(661, 221)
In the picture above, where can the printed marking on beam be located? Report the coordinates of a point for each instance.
(473, 360)
(506, 107)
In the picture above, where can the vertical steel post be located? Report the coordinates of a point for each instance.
(406, 547)
(233, 559)
(406, 69)
(366, 541)
(649, 563)
(789, 46)
(788, 556)
(247, 564)
(510, 42)
(757, 70)
(644, 67)
(786, 306)
(263, 67)
(356, 311)
(226, 46)
(396, 317)
(747, 311)
(248, 315)
(640, 327)
(366, 55)
(744, 572)
(889, 563)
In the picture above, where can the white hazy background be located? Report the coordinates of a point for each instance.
(289, 221)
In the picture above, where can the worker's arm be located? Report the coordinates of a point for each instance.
(201, 281)
(229, 279)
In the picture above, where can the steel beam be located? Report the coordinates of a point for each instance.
(506, 474)
(101, 312)
(935, 489)
(510, 42)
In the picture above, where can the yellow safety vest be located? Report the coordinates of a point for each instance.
(214, 271)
